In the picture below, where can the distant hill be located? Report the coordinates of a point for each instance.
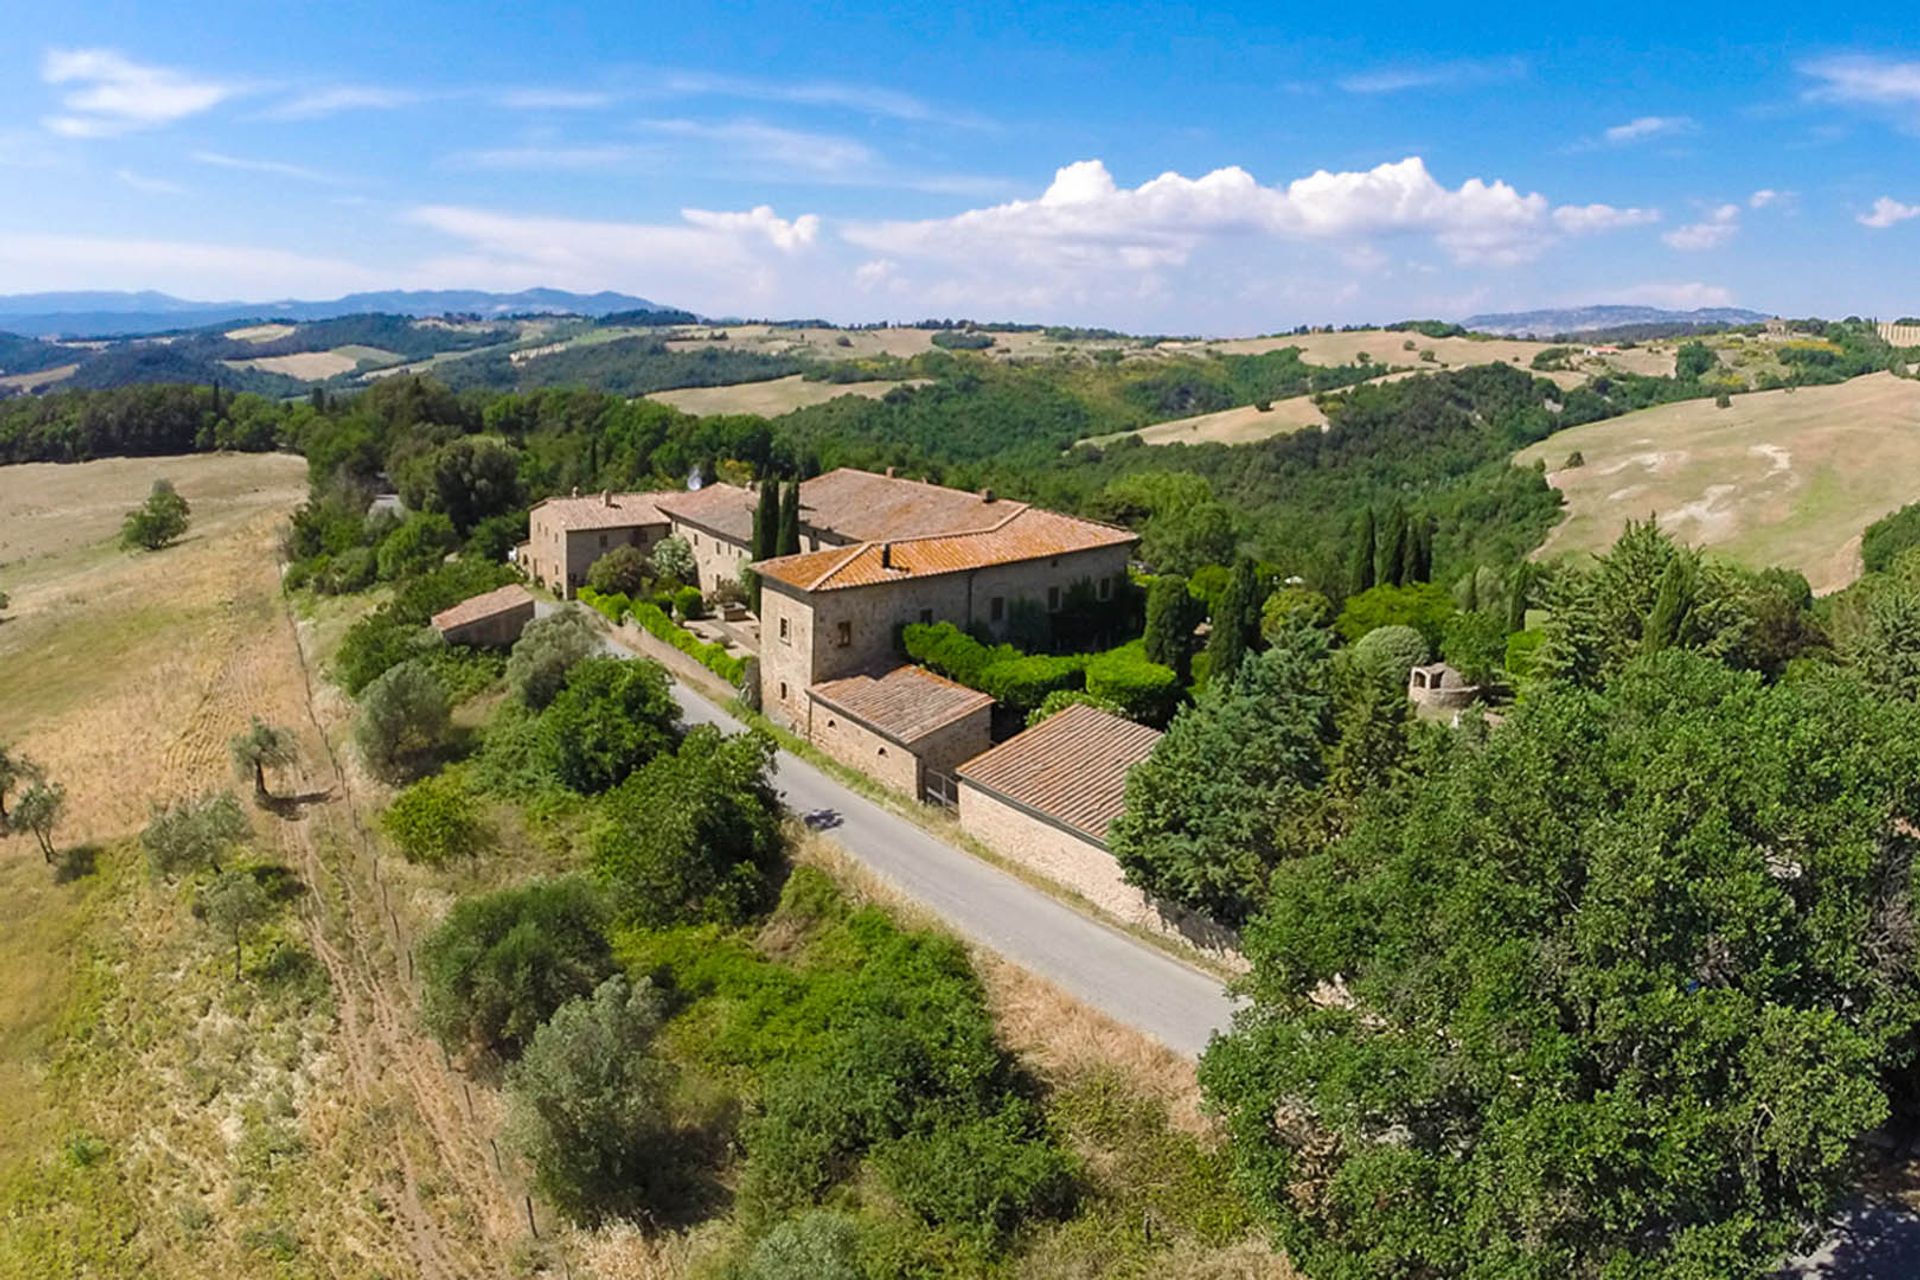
(111, 314)
(1554, 321)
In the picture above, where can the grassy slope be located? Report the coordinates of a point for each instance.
(1787, 478)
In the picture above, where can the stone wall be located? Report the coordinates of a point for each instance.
(497, 630)
(855, 745)
(1077, 863)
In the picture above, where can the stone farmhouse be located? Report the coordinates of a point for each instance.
(493, 619)
(566, 535)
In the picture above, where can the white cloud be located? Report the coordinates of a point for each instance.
(1084, 220)
(1864, 80)
(866, 99)
(747, 260)
(1765, 197)
(106, 94)
(272, 168)
(821, 155)
(1645, 128)
(1676, 296)
(151, 186)
(1888, 212)
(583, 158)
(1580, 219)
(555, 99)
(1434, 75)
(317, 104)
(1720, 225)
(33, 262)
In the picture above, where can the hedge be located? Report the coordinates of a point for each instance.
(613, 604)
(946, 650)
(1024, 683)
(1144, 690)
(713, 657)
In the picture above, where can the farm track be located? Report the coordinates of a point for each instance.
(388, 1061)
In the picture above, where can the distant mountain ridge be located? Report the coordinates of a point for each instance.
(1556, 320)
(108, 314)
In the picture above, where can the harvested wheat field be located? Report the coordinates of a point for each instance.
(772, 397)
(1780, 478)
(1244, 425)
(159, 1114)
(309, 366)
(1391, 347)
(35, 381)
(261, 333)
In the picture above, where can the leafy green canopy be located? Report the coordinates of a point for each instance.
(1612, 992)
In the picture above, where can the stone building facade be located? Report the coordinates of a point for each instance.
(566, 535)
(904, 727)
(494, 619)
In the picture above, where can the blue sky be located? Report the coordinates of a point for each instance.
(1227, 168)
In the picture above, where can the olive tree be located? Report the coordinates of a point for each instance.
(235, 903)
(404, 719)
(158, 521)
(39, 810)
(193, 833)
(263, 746)
(547, 649)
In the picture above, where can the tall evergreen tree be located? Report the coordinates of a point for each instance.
(1670, 606)
(1360, 559)
(1418, 553)
(1391, 556)
(1236, 623)
(766, 535)
(787, 541)
(1517, 592)
(1172, 614)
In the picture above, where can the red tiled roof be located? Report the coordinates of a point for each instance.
(724, 509)
(906, 703)
(474, 608)
(600, 511)
(863, 506)
(1071, 767)
(1027, 533)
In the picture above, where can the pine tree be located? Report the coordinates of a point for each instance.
(1392, 553)
(787, 542)
(1360, 560)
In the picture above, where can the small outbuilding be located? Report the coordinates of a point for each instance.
(1438, 687)
(490, 621)
(906, 727)
(1045, 799)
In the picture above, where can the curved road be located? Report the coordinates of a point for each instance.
(1122, 977)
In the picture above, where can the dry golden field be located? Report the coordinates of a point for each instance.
(1780, 478)
(261, 333)
(1243, 425)
(158, 1118)
(772, 397)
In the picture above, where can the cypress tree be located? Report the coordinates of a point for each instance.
(1670, 607)
(1471, 602)
(1360, 560)
(1419, 553)
(766, 521)
(1517, 591)
(788, 541)
(1236, 621)
(1391, 560)
(1171, 617)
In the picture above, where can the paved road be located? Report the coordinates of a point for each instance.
(1124, 978)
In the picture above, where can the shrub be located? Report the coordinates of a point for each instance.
(622, 571)
(946, 650)
(818, 1245)
(715, 658)
(728, 591)
(1024, 682)
(1145, 691)
(1391, 652)
(612, 606)
(1574, 459)
(420, 543)
(673, 558)
(588, 1105)
(691, 835)
(1523, 649)
(988, 1174)
(688, 605)
(1888, 536)
(546, 651)
(502, 962)
(192, 834)
(158, 521)
(1424, 606)
(352, 570)
(611, 718)
(1476, 646)
(404, 719)
(434, 821)
(1060, 699)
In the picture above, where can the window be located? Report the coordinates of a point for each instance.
(926, 616)
(1053, 599)
(843, 634)
(603, 539)
(783, 632)
(997, 608)
(830, 722)
(1106, 588)
(783, 691)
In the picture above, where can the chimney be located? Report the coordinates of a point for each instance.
(886, 555)
(576, 491)
(606, 497)
(986, 495)
(889, 473)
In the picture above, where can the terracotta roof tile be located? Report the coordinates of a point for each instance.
(725, 509)
(600, 511)
(906, 703)
(1027, 533)
(474, 608)
(1071, 767)
(863, 506)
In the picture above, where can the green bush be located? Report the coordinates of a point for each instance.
(420, 543)
(1391, 652)
(1060, 699)
(434, 821)
(713, 657)
(158, 521)
(1888, 536)
(688, 605)
(988, 1174)
(1523, 649)
(502, 962)
(546, 651)
(612, 606)
(1023, 683)
(946, 650)
(611, 718)
(621, 571)
(818, 1245)
(1143, 690)
(1424, 606)
(404, 720)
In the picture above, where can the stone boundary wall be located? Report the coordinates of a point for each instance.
(684, 668)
